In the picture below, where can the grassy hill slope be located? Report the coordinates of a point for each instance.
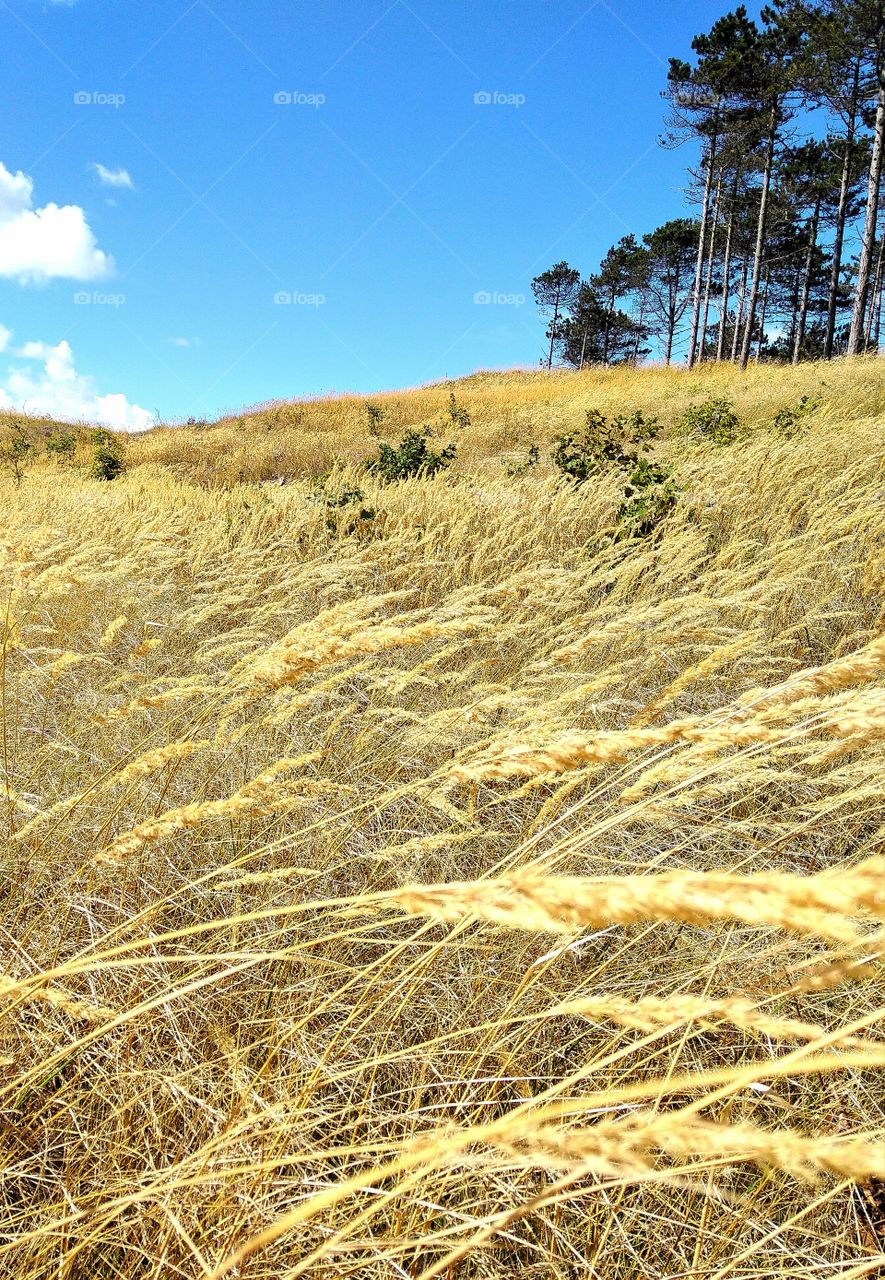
(433, 882)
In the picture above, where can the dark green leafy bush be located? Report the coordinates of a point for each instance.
(649, 498)
(107, 455)
(342, 516)
(602, 443)
(61, 445)
(622, 443)
(516, 467)
(458, 415)
(715, 420)
(16, 451)
(375, 416)
(412, 457)
(788, 422)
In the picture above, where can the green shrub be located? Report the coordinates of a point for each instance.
(339, 504)
(649, 498)
(714, 420)
(602, 443)
(62, 445)
(621, 442)
(375, 416)
(17, 451)
(412, 457)
(787, 422)
(516, 467)
(458, 415)
(107, 455)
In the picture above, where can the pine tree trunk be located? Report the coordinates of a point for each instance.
(739, 318)
(726, 273)
(760, 240)
(639, 332)
(806, 284)
(583, 345)
(841, 218)
(608, 329)
(869, 231)
(710, 260)
(762, 316)
(553, 325)
(871, 309)
(794, 308)
(702, 242)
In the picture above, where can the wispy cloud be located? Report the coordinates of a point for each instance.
(112, 177)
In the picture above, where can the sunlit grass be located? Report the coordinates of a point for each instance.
(459, 891)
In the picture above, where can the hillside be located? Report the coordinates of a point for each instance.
(432, 878)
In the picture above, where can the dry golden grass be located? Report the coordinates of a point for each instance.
(465, 895)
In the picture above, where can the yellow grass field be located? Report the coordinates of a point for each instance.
(458, 890)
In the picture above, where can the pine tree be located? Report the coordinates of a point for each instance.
(671, 259)
(555, 291)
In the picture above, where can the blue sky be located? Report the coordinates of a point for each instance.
(173, 169)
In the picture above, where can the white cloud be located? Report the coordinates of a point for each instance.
(184, 342)
(40, 244)
(112, 177)
(5, 335)
(57, 389)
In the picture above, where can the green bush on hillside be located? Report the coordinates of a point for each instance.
(62, 445)
(649, 498)
(107, 455)
(412, 457)
(458, 415)
(788, 422)
(17, 451)
(603, 443)
(342, 516)
(715, 420)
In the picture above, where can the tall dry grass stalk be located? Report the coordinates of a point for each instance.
(460, 893)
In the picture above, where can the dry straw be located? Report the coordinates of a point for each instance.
(825, 906)
(304, 1016)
